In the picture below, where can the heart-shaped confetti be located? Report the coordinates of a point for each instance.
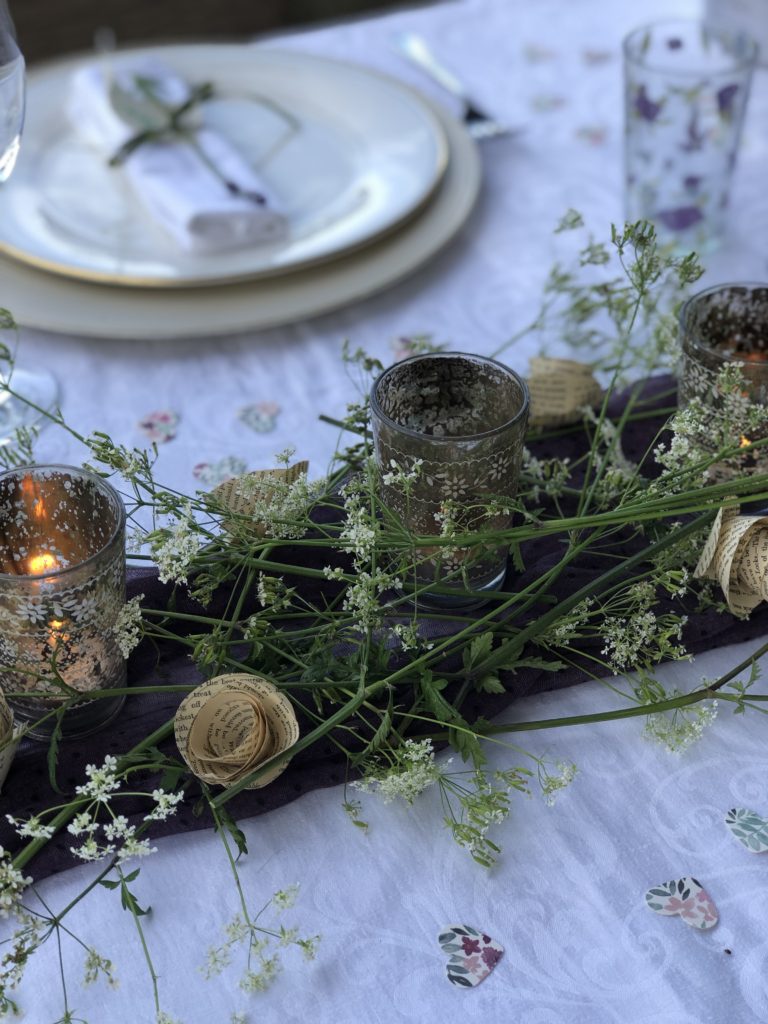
(472, 955)
(210, 474)
(685, 897)
(749, 828)
(160, 426)
(261, 417)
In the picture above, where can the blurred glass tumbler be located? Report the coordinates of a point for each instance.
(62, 585)
(462, 419)
(686, 90)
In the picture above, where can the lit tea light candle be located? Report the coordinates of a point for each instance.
(37, 565)
(62, 585)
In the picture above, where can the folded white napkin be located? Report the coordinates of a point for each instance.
(180, 191)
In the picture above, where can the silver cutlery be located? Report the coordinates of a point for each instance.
(479, 124)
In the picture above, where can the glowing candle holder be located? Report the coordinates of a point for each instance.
(62, 585)
(723, 326)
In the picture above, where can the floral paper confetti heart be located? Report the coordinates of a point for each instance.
(261, 417)
(160, 426)
(472, 954)
(686, 897)
(749, 828)
(210, 474)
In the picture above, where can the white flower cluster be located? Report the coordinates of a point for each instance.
(95, 964)
(402, 476)
(549, 476)
(272, 592)
(552, 783)
(127, 627)
(409, 637)
(243, 929)
(115, 836)
(102, 781)
(281, 507)
(413, 771)
(174, 548)
(679, 729)
(12, 885)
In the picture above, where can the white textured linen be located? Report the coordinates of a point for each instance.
(566, 899)
(175, 183)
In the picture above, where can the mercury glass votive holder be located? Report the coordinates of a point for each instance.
(62, 585)
(686, 90)
(454, 424)
(726, 325)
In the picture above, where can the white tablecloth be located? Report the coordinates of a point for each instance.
(566, 899)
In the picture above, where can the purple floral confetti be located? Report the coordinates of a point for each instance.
(546, 101)
(725, 98)
(472, 955)
(595, 134)
(596, 57)
(685, 898)
(211, 474)
(680, 218)
(645, 107)
(160, 426)
(261, 417)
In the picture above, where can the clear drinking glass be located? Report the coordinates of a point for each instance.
(686, 90)
(62, 585)
(37, 386)
(457, 423)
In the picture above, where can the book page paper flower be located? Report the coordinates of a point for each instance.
(736, 554)
(231, 725)
(559, 390)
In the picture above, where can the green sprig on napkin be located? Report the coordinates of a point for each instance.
(155, 120)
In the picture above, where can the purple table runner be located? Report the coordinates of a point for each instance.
(28, 791)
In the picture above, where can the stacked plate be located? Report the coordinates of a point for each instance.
(373, 180)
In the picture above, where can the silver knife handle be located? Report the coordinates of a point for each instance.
(416, 50)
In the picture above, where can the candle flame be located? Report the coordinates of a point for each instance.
(31, 491)
(44, 562)
(56, 636)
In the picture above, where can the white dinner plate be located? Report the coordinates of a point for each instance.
(55, 303)
(350, 154)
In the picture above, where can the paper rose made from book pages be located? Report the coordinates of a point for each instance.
(736, 554)
(559, 390)
(233, 724)
(242, 495)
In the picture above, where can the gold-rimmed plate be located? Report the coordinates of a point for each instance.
(55, 303)
(350, 153)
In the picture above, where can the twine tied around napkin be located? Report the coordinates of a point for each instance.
(559, 390)
(231, 725)
(736, 554)
(192, 181)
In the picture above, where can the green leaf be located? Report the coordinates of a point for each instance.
(53, 751)
(130, 903)
(540, 663)
(108, 884)
(229, 823)
(490, 684)
(517, 557)
(479, 649)
(137, 111)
